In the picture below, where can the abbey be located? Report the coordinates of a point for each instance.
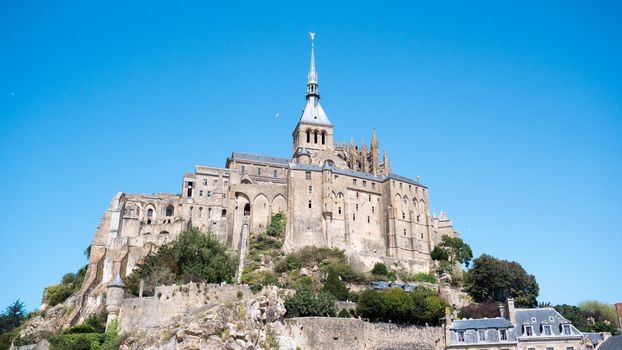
(334, 194)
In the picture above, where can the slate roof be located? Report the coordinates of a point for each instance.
(594, 337)
(260, 158)
(404, 179)
(481, 323)
(314, 113)
(117, 282)
(545, 315)
(612, 343)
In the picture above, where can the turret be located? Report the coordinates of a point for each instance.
(364, 156)
(114, 299)
(302, 156)
(375, 161)
(387, 165)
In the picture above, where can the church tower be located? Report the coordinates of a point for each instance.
(314, 132)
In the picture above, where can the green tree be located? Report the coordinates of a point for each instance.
(12, 317)
(334, 286)
(454, 250)
(492, 279)
(573, 314)
(193, 256)
(307, 302)
(599, 311)
(380, 269)
(370, 305)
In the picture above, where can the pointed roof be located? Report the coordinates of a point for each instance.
(117, 282)
(313, 112)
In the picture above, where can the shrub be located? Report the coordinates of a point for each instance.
(80, 329)
(424, 277)
(193, 256)
(421, 306)
(307, 302)
(334, 286)
(380, 269)
(57, 294)
(344, 314)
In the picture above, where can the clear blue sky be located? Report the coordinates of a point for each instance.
(510, 112)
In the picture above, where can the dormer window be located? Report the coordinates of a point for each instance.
(566, 329)
(546, 329)
(461, 336)
(528, 331)
(481, 335)
(503, 334)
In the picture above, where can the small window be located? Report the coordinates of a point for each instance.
(200, 193)
(170, 210)
(310, 189)
(215, 183)
(353, 217)
(364, 183)
(400, 185)
(421, 235)
(357, 195)
(274, 174)
(481, 334)
(528, 331)
(354, 182)
(550, 348)
(205, 182)
(189, 187)
(243, 170)
(308, 175)
(308, 136)
(369, 197)
(357, 207)
(570, 348)
(403, 216)
(503, 334)
(258, 171)
(566, 329)
(373, 210)
(373, 185)
(209, 213)
(461, 336)
(546, 329)
(323, 137)
(200, 211)
(404, 232)
(209, 194)
(339, 210)
(368, 220)
(223, 213)
(309, 204)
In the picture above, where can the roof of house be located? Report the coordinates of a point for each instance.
(594, 337)
(542, 316)
(260, 158)
(481, 323)
(612, 343)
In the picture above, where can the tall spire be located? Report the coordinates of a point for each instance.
(387, 165)
(312, 86)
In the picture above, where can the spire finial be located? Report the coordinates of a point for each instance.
(312, 87)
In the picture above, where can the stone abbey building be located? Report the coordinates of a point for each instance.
(334, 194)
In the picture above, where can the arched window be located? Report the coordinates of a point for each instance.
(150, 213)
(209, 213)
(223, 213)
(170, 210)
(323, 137)
(308, 136)
(200, 211)
(315, 136)
(274, 174)
(247, 209)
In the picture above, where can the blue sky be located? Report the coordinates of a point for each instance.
(511, 112)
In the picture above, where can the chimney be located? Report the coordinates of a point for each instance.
(511, 312)
(447, 325)
(501, 310)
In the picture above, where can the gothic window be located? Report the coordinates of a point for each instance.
(170, 210)
(308, 175)
(315, 136)
(308, 136)
(323, 137)
(405, 201)
(149, 215)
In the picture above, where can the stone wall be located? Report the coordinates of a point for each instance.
(348, 333)
(169, 302)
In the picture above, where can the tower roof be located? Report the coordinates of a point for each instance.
(313, 112)
(117, 282)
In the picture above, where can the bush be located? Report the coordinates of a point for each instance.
(421, 306)
(344, 314)
(326, 259)
(193, 256)
(307, 302)
(424, 277)
(334, 286)
(380, 269)
(76, 341)
(57, 294)
(80, 329)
